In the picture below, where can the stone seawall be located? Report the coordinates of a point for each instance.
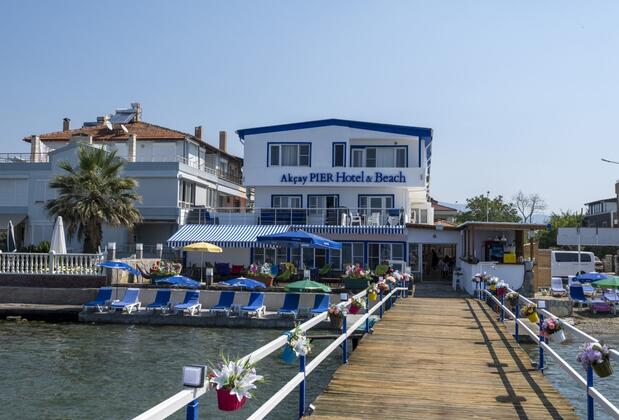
(51, 281)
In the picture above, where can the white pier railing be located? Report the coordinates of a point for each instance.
(50, 263)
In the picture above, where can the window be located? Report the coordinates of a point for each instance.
(289, 154)
(314, 258)
(369, 204)
(339, 154)
(413, 257)
(572, 257)
(321, 202)
(187, 192)
(352, 253)
(379, 157)
(335, 259)
(271, 255)
(286, 201)
(380, 252)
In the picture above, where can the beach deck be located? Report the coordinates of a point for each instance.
(440, 355)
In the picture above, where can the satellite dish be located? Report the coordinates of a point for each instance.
(108, 125)
(124, 128)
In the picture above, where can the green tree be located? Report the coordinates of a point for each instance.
(548, 238)
(93, 194)
(482, 208)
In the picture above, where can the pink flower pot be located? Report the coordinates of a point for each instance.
(353, 309)
(228, 402)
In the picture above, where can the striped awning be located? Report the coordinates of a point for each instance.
(353, 230)
(225, 236)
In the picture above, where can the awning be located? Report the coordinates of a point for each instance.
(15, 218)
(225, 236)
(354, 230)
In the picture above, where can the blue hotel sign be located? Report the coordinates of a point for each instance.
(342, 177)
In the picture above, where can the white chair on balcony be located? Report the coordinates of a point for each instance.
(374, 219)
(355, 219)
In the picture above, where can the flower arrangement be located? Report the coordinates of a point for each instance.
(501, 288)
(492, 282)
(372, 291)
(382, 286)
(356, 304)
(297, 345)
(512, 298)
(336, 315)
(356, 272)
(260, 272)
(530, 311)
(390, 279)
(235, 381)
(596, 355)
(552, 329)
(479, 277)
(265, 269)
(165, 269)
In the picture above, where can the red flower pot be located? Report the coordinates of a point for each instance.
(353, 309)
(501, 291)
(227, 401)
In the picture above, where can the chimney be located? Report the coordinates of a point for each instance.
(35, 149)
(137, 110)
(198, 132)
(66, 124)
(223, 141)
(132, 148)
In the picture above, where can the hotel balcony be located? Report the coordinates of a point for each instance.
(340, 216)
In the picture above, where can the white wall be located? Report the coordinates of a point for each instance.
(512, 274)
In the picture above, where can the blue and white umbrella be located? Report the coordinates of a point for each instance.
(119, 265)
(179, 281)
(11, 245)
(243, 282)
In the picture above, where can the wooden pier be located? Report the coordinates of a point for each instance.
(440, 355)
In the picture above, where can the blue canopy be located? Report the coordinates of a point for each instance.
(589, 277)
(299, 238)
(243, 282)
(178, 280)
(119, 265)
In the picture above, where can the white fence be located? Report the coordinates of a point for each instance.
(42, 263)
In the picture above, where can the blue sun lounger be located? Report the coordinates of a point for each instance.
(255, 305)
(104, 296)
(162, 300)
(190, 304)
(225, 303)
(321, 304)
(129, 301)
(291, 305)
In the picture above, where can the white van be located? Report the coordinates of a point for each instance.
(565, 263)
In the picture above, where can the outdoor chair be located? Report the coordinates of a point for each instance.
(556, 287)
(374, 219)
(223, 269)
(321, 304)
(237, 269)
(611, 296)
(255, 305)
(191, 303)
(129, 301)
(588, 289)
(162, 301)
(355, 219)
(291, 305)
(226, 299)
(104, 296)
(578, 295)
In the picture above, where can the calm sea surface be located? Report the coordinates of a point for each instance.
(77, 371)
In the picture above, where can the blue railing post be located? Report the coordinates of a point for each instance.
(477, 292)
(380, 300)
(367, 310)
(589, 397)
(192, 410)
(302, 387)
(516, 314)
(541, 349)
(344, 343)
(502, 311)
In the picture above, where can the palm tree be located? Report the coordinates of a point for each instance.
(93, 194)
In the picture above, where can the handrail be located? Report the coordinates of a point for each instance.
(609, 407)
(181, 399)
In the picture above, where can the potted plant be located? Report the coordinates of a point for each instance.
(336, 316)
(382, 286)
(356, 278)
(372, 291)
(492, 282)
(261, 273)
(163, 269)
(512, 298)
(356, 305)
(596, 355)
(553, 330)
(481, 277)
(501, 288)
(297, 345)
(235, 382)
(530, 311)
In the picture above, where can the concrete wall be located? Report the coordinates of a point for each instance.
(46, 295)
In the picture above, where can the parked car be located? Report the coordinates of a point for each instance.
(599, 265)
(565, 263)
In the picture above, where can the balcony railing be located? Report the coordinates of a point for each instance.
(24, 158)
(340, 216)
(204, 165)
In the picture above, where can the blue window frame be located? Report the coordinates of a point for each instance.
(287, 201)
(381, 156)
(338, 154)
(289, 154)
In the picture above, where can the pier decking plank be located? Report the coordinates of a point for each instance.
(440, 357)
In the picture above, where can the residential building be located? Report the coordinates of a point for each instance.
(176, 172)
(443, 212)
(601, 213)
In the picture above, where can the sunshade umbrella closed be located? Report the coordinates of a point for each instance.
(11, 246)
(243, 282)
(119, 265)
(607, 283)
(202, 247)
(307, 286)
(178, 280)
(58, 243)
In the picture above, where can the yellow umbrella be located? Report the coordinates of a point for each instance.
(203, 247)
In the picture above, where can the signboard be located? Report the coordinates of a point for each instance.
(343, 177)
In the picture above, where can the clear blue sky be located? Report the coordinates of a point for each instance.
(520, 96)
